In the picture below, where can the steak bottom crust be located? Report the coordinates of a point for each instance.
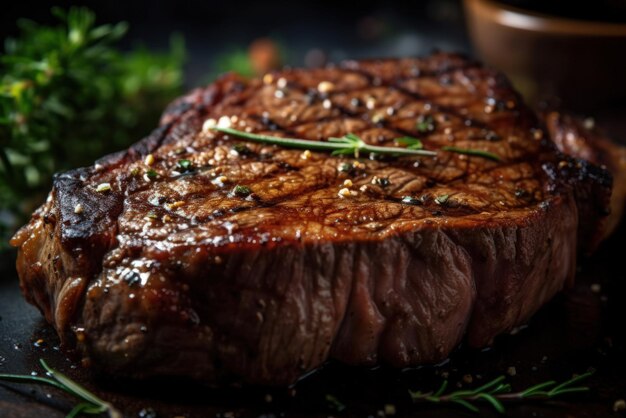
(170, 270)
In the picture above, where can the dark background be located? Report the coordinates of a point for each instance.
(337, 29)
(340, 29)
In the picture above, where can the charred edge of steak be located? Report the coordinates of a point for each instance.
(593, 146)
(591, 186)
(61, 248)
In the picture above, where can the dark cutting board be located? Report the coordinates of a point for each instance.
(583, 328)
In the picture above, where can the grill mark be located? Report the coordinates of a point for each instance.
(252, 91)
(396, 84)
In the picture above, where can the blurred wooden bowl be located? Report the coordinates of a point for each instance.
(581, 62)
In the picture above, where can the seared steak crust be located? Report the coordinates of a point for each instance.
(589, 144)
(175, 271)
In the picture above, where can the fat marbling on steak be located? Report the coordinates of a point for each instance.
(151, 265)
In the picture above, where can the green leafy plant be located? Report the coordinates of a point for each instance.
(68, 95)
(241, 59)
(236, 60)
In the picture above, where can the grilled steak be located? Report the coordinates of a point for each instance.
(201, 254)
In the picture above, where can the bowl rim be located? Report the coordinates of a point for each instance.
(511, 16)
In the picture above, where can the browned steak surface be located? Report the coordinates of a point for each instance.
(572, 137)
(257, 263)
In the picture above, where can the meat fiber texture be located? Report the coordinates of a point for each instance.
(173, 271)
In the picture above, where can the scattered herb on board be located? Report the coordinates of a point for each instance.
(334, 403)
(68, 95)
(90, 404)
(496, 392)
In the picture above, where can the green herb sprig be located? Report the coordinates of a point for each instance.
(349, 144)
(497, 391)
(334, 403)
(474, 152)
(410, 142)
(59, 86)
(90, 404)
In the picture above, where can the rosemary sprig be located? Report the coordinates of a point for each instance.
(91, 404)
(334, 403)
(349, 144)
(497, 391)
(410, 142)
(474, 152)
